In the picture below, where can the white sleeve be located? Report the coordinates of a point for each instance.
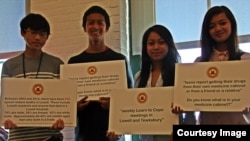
(137, 79)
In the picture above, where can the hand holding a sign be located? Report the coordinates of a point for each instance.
(176, 109)
(113, 136)
(104, 101)
(9, 124)
(59, 124)
(82, 103)
(246, 112)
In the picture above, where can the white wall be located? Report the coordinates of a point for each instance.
(65, 17)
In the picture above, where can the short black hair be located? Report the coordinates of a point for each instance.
(35, 22)
(99, 10)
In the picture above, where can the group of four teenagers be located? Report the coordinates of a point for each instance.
(219, 42)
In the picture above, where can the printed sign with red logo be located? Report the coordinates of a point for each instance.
(96, 79)
(37, 89)
(131, 110)
(38, 102)
(212, 86)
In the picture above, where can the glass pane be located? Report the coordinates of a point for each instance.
(245, 47)
(11, 13)
(182, 17)
(241, 11)
(189, 55)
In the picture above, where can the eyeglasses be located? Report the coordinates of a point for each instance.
(40, 33)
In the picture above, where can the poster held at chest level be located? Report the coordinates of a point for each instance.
(96, 79)
(38, 102)
(212, 86)
(142, 111)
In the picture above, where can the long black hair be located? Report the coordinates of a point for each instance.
(168, 62)
(207, 43)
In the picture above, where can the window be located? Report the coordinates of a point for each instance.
(184, 20)
(11, 14)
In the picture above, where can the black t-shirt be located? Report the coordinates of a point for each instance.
(93, 119)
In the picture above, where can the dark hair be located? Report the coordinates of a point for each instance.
(207, 43)
(35, 22)
(168, 62)
(99, 10)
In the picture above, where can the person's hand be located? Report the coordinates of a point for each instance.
(59, 125)
(113, 136)
(81, 104)
(9, 124)
(246, 110)
(176, 109)
(104, 101)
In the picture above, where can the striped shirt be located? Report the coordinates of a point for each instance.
(49, 69)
